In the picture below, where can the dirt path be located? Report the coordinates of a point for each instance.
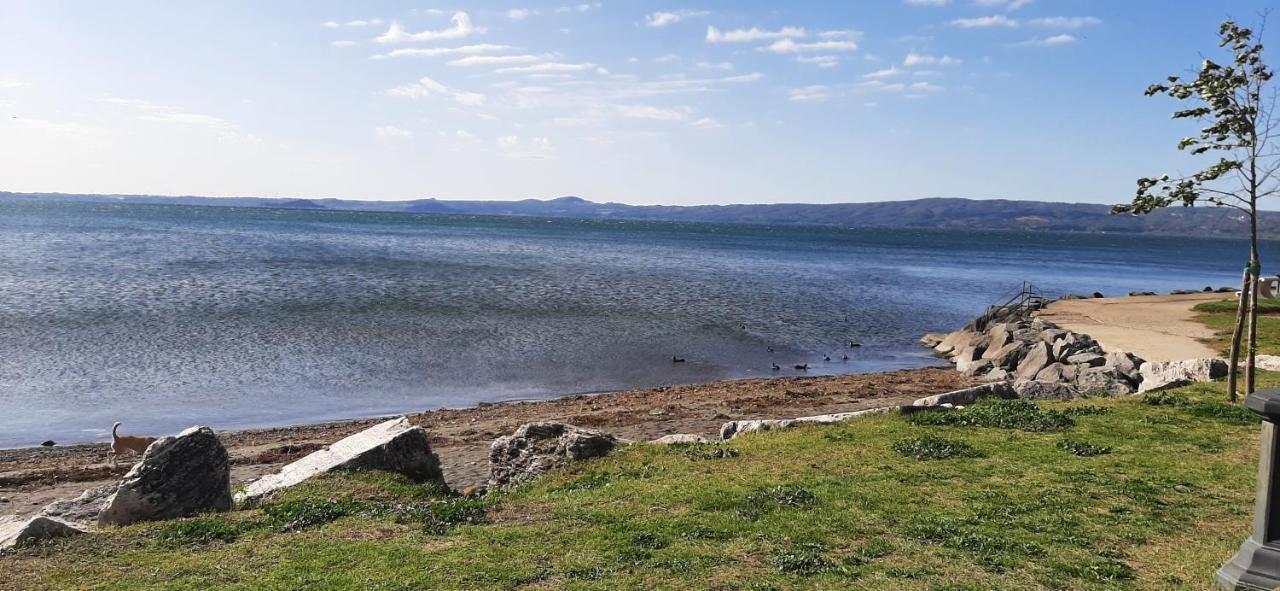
(31, 478)
(1155, 328)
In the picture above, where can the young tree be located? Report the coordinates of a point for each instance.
(1235, 102)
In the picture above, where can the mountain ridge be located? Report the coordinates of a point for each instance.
(925, 213)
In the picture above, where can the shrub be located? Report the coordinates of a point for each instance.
(200, 530)
(704, 451)
(1083, 449)
(931, 447)
(1001, 414)
(297, 514)
(1165, 399)
(779, 497)
(1086, 411)
(440, 517)
(1222, 411)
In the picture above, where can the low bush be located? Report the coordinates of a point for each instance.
(931, 447)
(1001, 414)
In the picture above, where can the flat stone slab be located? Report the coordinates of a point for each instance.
(84, 509)
(1162, 375)
(733, 429)
(969, 395)
(16, 532)
(393, 446)
(679, 438)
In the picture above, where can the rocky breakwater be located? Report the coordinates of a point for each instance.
(1042, 360)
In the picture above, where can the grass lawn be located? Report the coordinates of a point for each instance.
(1221, 317)
(1129, 493)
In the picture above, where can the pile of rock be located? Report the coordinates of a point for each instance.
(1042, 360)
(536, 448)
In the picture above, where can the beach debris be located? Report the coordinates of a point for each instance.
(393, 446)
(535, 448)
(16, 532)
(1162, 375)
(178, 476)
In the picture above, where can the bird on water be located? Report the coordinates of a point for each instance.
(675, 359)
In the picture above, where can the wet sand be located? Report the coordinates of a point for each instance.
(33, 477)
(1155, 328)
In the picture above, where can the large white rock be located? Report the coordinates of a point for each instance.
(1267, 362)
(393, 446)
(84, 509)
(16, 532)
(679, 438)
(177, 476)
(1161, 375)
(536, 448)
(733, 429)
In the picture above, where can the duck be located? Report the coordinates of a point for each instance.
(844, 357)
(802, 366)
(675, 359)
(775, 366)
(826, 357)
(854, 345)
(770, 349)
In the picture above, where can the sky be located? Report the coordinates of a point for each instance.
(673, 102)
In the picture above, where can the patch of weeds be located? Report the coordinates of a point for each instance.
(590, 573)
(1101, 570)
(440, 517)
(765, 501)
(758, 586)
(1165, 399)
(590, 481)
(876, 548)
(1221, 411)
(1088, 410)
(1001, 414)
(704, 451)
(1083, 449)
(649, 540)
(805, 560)
(931, 447)
(298, 514)
(841, 437)
(993, 552)
(200, 530)
(702, 533)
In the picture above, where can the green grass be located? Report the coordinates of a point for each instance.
(1221, 317)
(1036, 505)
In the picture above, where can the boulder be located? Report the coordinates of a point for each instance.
(177, 476)
(1103, 381)
(1267, 362)
(393, 446)
(1125, 363)
(1008, 356)
(1055, 373)
(1161, 375)
(84, 509)
(536, 448)
(1036, 358)
(999, 335)
(1087, 359)
(969, 395)
(16, 532)
(679, 438)
(952, 341)
(1098, 295)
(932, 339)
(966, 357)
(995, 375)
(1036, 390)
(1051, 335)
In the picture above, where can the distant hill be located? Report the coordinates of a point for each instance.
(941, 213)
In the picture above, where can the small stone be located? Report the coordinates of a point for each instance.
(49, 443)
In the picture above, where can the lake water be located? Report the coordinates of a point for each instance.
(168, 316)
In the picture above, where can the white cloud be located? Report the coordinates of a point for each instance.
(915, 59)
(838, 34)
(707, 123)
(442, 51)
(816, 92)
(715, 35)
(584, 7)
(726, 66)
(1065, 22)
(1007, 5)
(461, 28)
(790, 46)
(553, 68)
(426, 87)
(822, 61)
(225, 131)
(998, 20)
(670, 58)
(330, 24)
(519, 13)
(926, 2)
(653, 113)
(1056, 40)
(352, 23)
(888, 72)
(344, 44)
(494, 60)
(391, 131)
(536, 148)
(12, 83)
(662, 19)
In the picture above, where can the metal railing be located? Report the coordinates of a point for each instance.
(1018, 305)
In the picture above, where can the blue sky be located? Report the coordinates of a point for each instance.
(638, 102)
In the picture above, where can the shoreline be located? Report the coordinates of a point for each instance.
(32, 477)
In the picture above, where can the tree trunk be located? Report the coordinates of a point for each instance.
(1233, 370)
(1249, 369)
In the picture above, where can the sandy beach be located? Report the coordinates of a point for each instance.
(33, 477)
(1155, 328)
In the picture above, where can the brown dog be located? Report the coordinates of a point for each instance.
(121, 443)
